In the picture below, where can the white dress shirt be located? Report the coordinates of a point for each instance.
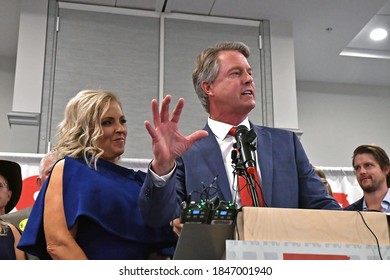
(226, 141)
(385, 203)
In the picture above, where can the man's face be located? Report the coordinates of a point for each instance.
(369, 173)
(233, 92)
(5, 194)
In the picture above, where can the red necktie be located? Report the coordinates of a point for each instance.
(244, 187)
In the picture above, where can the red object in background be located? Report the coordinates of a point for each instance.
(341, 199)
(29, 188)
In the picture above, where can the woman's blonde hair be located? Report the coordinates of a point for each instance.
(78, 134)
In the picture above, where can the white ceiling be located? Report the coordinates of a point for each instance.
(316, 49)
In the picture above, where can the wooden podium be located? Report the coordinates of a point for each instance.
(302, 225)
(314, 234)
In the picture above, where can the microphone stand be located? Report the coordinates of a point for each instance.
(247, 169)
(251, 182)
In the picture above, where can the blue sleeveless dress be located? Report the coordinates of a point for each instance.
(7, 240)
(104, 203)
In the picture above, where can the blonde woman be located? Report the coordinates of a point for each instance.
(88, 207)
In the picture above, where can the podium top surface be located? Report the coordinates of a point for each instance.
(306, 225)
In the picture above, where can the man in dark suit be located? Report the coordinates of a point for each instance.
(372, 167)
(183, 166)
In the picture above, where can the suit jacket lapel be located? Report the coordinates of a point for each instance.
(265, 161)
(211, 153)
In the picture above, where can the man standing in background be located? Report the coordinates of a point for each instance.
(19, 218)
(372, 168)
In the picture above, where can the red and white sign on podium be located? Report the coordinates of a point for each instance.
(278, 233)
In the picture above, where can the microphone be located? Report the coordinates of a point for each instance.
(246, 143)
(234, 155)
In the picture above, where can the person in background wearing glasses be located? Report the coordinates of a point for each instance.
(372, 168)
(19, 218)
(10, 190)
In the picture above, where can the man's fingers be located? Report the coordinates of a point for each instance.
(150, 129)
(164, 113)
(199, 134)
(177, 111)
(155, 113)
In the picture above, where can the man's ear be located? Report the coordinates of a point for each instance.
(39, 181)
(207, 88)
(9, 195)
(387, 169)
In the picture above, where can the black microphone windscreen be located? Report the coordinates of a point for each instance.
(241, 129)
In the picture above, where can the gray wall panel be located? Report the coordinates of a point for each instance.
(121, 53)
(113, 52)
